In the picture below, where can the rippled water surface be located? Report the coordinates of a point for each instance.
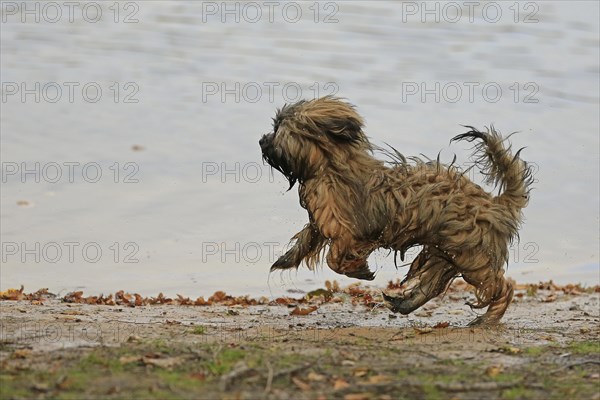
(184, 203)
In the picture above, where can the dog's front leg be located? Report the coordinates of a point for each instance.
(309, 242)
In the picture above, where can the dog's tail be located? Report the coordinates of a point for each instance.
(509, 172)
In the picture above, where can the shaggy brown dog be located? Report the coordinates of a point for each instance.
(356, 204)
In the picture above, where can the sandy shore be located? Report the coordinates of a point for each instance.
(346, 347)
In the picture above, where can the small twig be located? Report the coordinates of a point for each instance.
(477, 387)
(239, 373)
(292, 370)
(569, 366)
(269, 378)
(452, 387)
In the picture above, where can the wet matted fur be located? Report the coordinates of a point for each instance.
(357, 203)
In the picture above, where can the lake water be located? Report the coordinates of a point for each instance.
(129, 132)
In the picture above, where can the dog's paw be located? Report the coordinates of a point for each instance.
(482, 321)
(399, 304)
(391, 302)
(284, 262)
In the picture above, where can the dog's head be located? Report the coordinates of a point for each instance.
(309, 135)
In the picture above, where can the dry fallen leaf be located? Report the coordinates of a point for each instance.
(198, 375)
(313, 376)
(201, 302)
(40, 387)
(134, 339)
(357, 396)
(376, 379)
(63, 382)
(129, 359)
(21, 353)
(12, 294)
(493, 370)
(359, 372)
(340, 384)
(218, 296)
(507, 350)
(422, 314)
(549, 299)
(301, 384)
(139, 300)
(166, 363)
(348, 355)
(303, 311)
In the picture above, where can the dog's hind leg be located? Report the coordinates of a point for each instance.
(491, 288)
(427, 278)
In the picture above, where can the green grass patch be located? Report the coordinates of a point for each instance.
(199, 330)
(507, 377)
(585, 347)
(225, 360)
(534, 351)
(518, 393)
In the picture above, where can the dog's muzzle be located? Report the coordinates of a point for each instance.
(265, 142)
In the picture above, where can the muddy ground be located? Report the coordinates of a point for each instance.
(348, 347)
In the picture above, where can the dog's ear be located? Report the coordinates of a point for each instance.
(343, 127)
(335, 117)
